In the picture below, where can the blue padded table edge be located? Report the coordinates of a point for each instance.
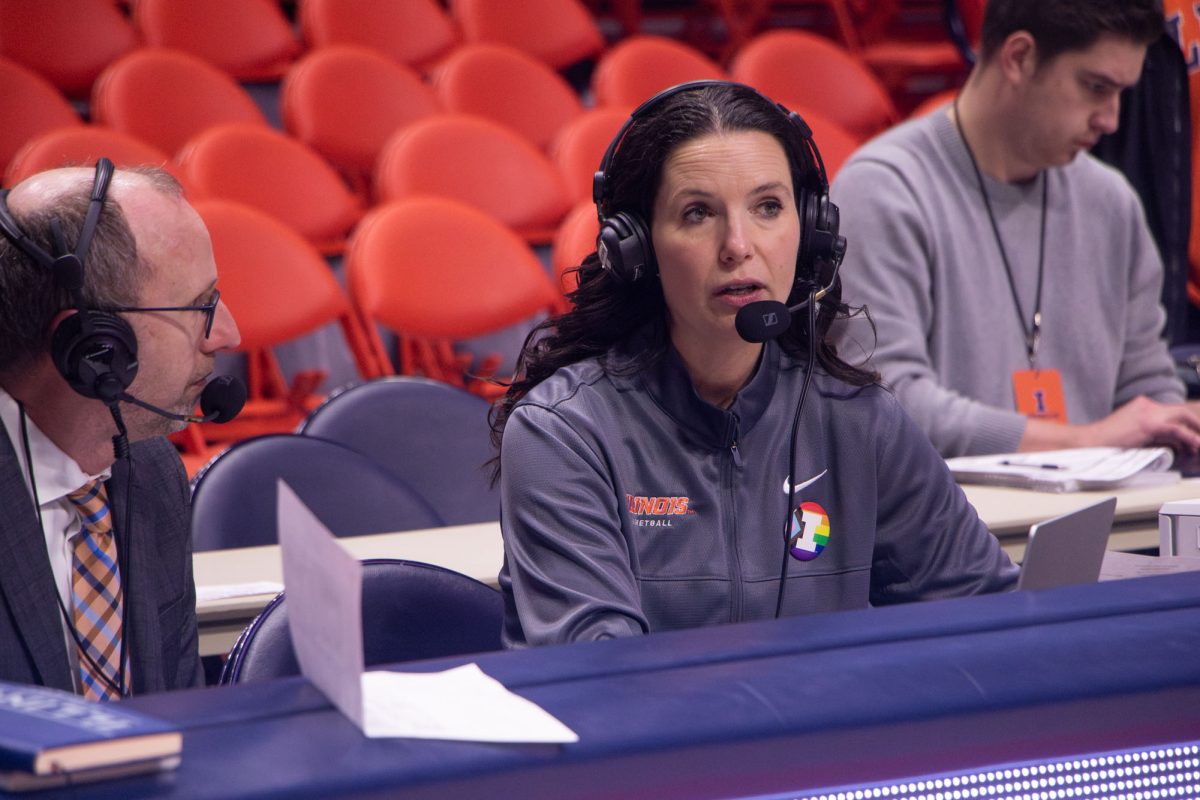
(733, 685)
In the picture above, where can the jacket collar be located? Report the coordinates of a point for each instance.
(670, 387)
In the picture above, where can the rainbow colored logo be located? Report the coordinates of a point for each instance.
(810, 532)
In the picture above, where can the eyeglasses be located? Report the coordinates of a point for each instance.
(209, 309)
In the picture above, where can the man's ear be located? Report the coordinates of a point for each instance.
(1018, 57)
(55, 321)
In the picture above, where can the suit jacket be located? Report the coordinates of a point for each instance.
(155, 553)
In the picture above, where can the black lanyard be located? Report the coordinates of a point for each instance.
(1033, 333)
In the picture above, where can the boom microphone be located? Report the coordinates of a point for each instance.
(762, 320)
(767, 319)
(221, 401)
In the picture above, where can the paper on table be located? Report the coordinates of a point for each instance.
(1085, 468)
(324, 597)
(221, 591)
(1118, 565)
(463, 704)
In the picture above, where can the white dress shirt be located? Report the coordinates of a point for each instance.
(56, 475)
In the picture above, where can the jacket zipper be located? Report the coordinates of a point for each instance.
(733, 465)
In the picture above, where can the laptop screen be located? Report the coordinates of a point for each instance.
(1068, 549)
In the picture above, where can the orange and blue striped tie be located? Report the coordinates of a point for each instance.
(96, 587)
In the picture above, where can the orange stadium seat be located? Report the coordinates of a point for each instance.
(413, 32)
(275, 173)
(68, 42)
(84, 144)
(933, 103)
(32, 106)
(558, 32)
(344, 101)
(641, 66)
(478, 162)
(434, 271)
(910, 66)
(278, 288)
(249, 39)
(507, 86)
(835, 143)
(166, 96)
(580, 146)
(804, 70)
(575, 241)
(910, 69)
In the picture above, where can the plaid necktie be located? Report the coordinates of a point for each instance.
(96, 588)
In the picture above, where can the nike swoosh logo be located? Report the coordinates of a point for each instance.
(809, 482)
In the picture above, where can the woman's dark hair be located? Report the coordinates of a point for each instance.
(604, 310)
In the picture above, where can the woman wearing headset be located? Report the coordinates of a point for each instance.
(659, 471)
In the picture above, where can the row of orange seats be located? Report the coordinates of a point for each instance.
(384, 128)
(489, 126)
(72, 41)
(429, 270)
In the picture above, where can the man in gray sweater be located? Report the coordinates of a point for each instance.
(1011, 276)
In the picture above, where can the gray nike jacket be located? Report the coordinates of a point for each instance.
(629, 505)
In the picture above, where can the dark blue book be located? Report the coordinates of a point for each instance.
(53, 738)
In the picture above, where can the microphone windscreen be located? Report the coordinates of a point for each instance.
(762, 320)
(224, 396)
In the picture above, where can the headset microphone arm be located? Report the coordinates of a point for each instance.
(221, 401)
(125, 397)
(839, 252)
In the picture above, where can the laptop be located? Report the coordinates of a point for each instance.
(1069, 549)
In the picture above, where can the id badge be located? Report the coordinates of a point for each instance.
(1039, 394)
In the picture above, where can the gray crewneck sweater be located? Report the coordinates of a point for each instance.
(923, 258)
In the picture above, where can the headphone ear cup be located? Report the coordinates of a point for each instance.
(805, 270)
(818, 239)
(624, 247)
(97, 356)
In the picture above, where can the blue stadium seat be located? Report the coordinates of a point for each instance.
(433, 436)
(234, 496)
(410, 611)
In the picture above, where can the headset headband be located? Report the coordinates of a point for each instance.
(66, 266)
(600, 178)
(94, 351)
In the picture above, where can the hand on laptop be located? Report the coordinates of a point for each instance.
(1143, 421)
(1138, 423)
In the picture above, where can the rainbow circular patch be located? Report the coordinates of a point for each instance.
(809, 533)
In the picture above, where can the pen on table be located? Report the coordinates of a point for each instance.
(1034, 466)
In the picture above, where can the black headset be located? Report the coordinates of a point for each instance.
(624, 246)
(96, 352)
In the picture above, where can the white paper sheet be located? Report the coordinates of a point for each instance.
(1085, 468)
(324, 600)
(462, 704)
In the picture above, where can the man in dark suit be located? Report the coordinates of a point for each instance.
(144, 320)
